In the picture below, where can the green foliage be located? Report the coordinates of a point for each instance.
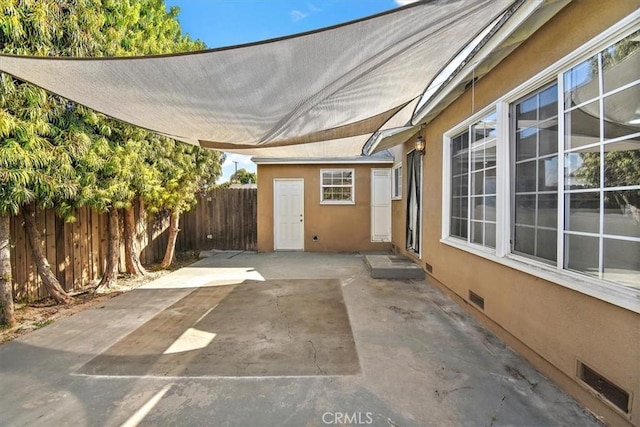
(60, 154)
(243, 176)
(621, 168)
(183, 171)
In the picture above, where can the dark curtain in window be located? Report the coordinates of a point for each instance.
(413, 201)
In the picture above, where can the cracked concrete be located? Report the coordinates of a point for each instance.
(421, 360)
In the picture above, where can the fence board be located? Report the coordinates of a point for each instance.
(77, 251)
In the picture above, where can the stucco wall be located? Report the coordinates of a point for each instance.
(340, 228)
(551, 325)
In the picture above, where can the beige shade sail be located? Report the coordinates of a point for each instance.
(326, 91)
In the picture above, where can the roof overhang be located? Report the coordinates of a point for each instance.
(377, 159)
(519, 23)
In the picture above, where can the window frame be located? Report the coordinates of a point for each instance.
(615, 293)
(396, 182)
(446, 236)
(513, 162)
(352, 186)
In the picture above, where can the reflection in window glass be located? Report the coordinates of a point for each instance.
(622, 113)
(582, 125)
(536, 175)
(602, 181)
(621, 215)
(582, 169)
(581, 83)
(478, 171)
(459, 185)
(621, 62)
(622, 261)
(622, 164)
(583, 212)
(581, 254)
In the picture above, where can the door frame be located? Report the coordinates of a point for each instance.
(371, 205)
(420, 216)
(275, 213)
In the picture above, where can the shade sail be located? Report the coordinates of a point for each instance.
(334, 86)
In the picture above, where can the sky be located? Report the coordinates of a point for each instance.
(220, 23)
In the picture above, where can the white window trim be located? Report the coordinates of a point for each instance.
(446, 179)
(394, 183)
(619, 295)
(353, 187)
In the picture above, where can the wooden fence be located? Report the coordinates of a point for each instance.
(77, 251)
(224, 218)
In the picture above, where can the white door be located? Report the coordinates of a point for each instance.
(288, 214)
(380, 205)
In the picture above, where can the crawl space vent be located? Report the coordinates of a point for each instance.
(476, 299)
(604, 387)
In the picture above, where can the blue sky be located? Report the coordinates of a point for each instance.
(221, 23)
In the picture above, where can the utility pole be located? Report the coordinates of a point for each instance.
(235, 175)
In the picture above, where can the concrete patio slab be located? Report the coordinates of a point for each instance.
(286, 327)
(422, 360)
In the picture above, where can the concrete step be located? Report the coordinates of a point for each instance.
(391, 266)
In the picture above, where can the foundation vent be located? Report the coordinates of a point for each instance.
(428, 267)
(604, 387)
(476, 299)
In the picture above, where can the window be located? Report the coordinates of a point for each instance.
(550, 181)
(473, 183)
(602, 164)
(535, 176)
(337, 186)
(396, 182)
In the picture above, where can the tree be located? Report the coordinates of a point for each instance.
(185, 171)
(43, 137)
(243, 177)
(621, 168)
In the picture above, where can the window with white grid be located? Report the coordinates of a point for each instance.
(337, 186)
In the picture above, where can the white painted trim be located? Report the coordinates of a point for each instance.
(446, 169)
(353, 187)
(628, 24)
(561, 144)
(613, 293)
(446, 185)
(389, 175)
(503, 180)
(393, 181)
(321, 161)
(508, 28)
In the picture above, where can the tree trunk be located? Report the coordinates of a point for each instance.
(49, 279)
(131, 256)
(7, 316)
(110, 276)
(174, 221)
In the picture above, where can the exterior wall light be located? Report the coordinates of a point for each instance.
(420, 145)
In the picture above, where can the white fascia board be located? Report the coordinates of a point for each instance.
(320, 161)
(519, 17)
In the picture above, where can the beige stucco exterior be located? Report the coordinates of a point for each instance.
(551, 325)
(339, 228)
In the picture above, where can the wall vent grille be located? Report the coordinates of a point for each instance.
(476, 299)
(604, 387)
